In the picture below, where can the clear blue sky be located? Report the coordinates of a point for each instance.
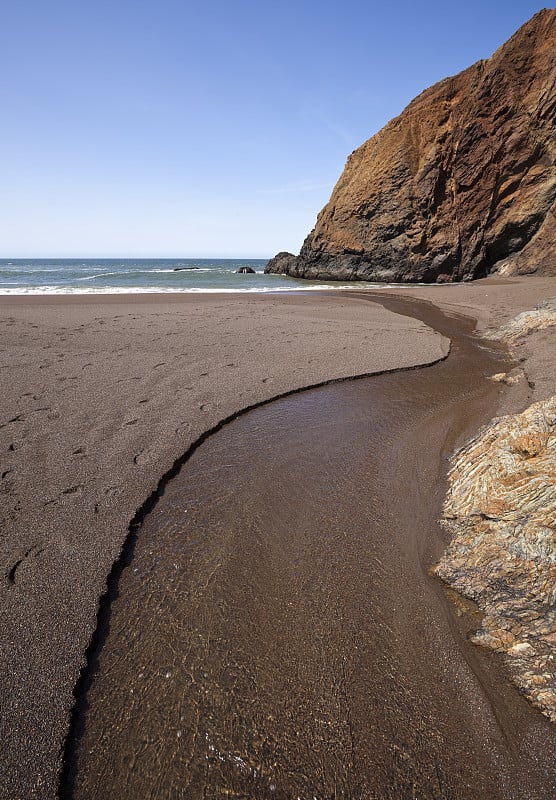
(181, 128)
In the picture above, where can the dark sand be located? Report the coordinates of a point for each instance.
(99, 397)
(103, 396)
(277, 633)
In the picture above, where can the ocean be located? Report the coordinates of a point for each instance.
(127, 275)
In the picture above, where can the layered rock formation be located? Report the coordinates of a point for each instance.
(501, 509)
(501, 512)
(461, 184)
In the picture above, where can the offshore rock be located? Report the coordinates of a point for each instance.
(461, 184)
(282, 263)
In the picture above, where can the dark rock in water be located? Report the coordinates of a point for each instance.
(282, 263)
(243, 270)
(181, 269)
(461, 184)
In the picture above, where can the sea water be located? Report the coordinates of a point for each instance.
(126, 275)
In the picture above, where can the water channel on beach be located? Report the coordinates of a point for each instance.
(275, 631)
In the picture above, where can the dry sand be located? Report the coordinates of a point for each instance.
(101, 395)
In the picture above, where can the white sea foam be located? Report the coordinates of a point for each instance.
(72, 290)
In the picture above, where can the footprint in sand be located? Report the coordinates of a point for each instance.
(144, 457)
(18, 418)
(73, 490)
(12, 573)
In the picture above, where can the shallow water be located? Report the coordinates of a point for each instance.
(276, 632)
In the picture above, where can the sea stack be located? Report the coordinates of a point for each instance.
(460, 185)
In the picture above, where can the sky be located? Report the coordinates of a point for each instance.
(206, 129)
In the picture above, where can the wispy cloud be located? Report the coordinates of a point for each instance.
(319, 116)
(337, 130)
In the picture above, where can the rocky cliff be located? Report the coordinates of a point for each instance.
(461, 184)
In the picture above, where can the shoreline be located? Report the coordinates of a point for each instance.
(29, 565)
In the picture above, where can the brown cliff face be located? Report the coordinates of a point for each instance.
(461, 184)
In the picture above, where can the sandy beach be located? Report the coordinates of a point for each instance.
(101, 396)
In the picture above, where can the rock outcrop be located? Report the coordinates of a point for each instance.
(540, 318)
(501, 512)
(461, 184)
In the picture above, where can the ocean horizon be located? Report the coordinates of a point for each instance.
(45, 276)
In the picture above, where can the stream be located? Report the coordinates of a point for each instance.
(274, 631)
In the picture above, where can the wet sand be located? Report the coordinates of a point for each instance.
(105, 394)
(275, 632)
(493, 302)
(99, 398)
